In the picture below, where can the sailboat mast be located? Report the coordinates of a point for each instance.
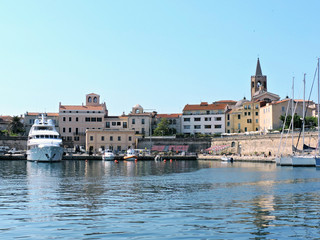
(292, 111)
(318, 110)
(303, 111)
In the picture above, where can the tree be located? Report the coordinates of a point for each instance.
(162, 128)
(311, 122)
(297, 121)
(16, 126)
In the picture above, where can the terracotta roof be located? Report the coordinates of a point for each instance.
(226, 101)
(37, 114)
(172, 115)
(81, 108)
(287, 99)
(5, 118)
(214, 106)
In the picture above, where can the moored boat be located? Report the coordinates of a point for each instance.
(130, 155)
(44, 142)
(108, 155)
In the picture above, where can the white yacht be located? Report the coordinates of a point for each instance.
(44, 142)
(108, 155)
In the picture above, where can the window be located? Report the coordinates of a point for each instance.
(107, 124)
(257, 120)
(142, 121)
(95, 99)
(239, 116)
(102, 138)
(124, 125)
(99, 119)
(186, 127)
(249, 121)
(133, 121)
(207, 119)
(282, 109)
(91, 138)
(239, 126)
(245, 113)
(76, 138)
(89, 99)
(69, 130)
(87, 119)
(114, 123)
(186, 119)
(64, 130)
(249, 106)
(228, 117)
(257, 113)
(77, 119)
(217, 126)
(174, 121)
(218, 118)
(64, 119)
(228, 124)
(249, 113)
(77, 130)
(118, 123)
(246, 129)
(111, 138)
(207, 126)
(142, 130)
(130, 138)
(257, 106)
(245, 106)
(70, 119)
(93, 119)
(197, 126)
(197, 119)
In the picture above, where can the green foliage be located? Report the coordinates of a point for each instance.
(15, 126)
(162, 128)
(310, 122)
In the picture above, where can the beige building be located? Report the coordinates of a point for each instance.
(74, 120)
(174, 121)
(270, 113)
(140, 121)
(101, 139)
(243, 117)
(30, 117)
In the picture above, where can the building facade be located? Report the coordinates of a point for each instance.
(117, 140)
(140, 121)
(174, 121)
(204, 118)
(74, 120)
(270, 113)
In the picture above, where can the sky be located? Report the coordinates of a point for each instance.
(159, 54)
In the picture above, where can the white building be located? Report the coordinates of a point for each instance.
(204, 118)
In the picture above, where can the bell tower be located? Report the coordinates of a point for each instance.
(258, 81)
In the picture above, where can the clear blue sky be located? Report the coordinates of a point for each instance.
(159, 54)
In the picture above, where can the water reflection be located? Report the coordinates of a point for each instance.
(189, 199)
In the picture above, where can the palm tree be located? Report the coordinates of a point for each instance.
(16, 126)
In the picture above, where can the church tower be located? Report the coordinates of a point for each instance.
(258, 82)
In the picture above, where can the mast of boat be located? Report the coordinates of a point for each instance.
(303, 111)
(292, 112)
(318, 109)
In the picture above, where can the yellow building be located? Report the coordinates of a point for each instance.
(101, 139)
(243, 117)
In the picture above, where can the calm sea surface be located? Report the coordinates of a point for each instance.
(158, 200)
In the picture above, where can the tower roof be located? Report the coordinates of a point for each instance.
(258, 70)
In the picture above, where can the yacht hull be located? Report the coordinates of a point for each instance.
(284, 161)
(303, 161)
(45, 154)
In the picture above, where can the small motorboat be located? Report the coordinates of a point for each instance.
(108, 155)
(226, 159)
(130, 155)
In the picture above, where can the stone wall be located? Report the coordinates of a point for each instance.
(195, 144)
(263, 144)
(20, 143)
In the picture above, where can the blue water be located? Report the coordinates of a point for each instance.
(158, 200)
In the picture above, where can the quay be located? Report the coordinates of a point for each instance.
(236, 158)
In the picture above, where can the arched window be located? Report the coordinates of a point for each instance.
(95, 99)
(138, 111)
(89, 99)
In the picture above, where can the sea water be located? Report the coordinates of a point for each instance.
(158, 200)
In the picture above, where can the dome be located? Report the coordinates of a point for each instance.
(241, 102)
(137, 106)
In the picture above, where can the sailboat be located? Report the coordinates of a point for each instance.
(303, 160)
(317, 158)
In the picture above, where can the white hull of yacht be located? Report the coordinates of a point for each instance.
(45, 154)
(303, 161)
(284, 161)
